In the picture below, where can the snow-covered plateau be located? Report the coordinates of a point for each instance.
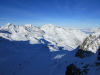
(48, 50)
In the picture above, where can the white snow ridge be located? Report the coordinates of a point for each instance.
(47, 50)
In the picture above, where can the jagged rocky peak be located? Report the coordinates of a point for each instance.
(90, 44)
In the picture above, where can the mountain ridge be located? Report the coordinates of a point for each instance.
(27, 32)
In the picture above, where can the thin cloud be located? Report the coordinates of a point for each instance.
(15, 10)
(7, 19)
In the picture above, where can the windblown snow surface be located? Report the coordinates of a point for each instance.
(45, 50)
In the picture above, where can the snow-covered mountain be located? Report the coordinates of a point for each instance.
(62, 36)
(47, 50)
(90, 44)
(55, 35)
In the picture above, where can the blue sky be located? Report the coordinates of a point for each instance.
(63, 13)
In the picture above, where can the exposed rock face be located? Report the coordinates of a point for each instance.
(81, 53)
(90, 45)
(98, 58)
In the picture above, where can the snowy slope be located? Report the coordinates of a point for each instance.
(46, 50)
(62, 36)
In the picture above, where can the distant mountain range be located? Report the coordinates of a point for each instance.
(69, 37)
(49, 50)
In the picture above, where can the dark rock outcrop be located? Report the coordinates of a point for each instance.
(98, 58)
(73, 70)
(81, 53)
